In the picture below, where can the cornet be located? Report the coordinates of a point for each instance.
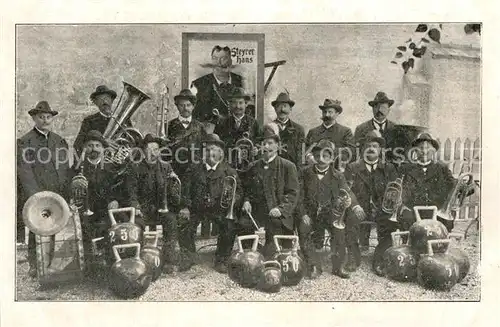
(80, 190)
(342, 202)
(393, 198)
(457, 195)
(228, 196)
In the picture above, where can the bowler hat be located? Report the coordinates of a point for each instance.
(425, 137)
(94, 135)
(185, 94)
(239, 93)
(324, 144)
(221, 57)
(102, 89)
(42, 107)
(381, 97)
(283, 98)
(374, 136)
(329, 103)
(271, 131)
(150, 138)
(213, 139)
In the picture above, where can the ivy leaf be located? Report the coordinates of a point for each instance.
(434, 34)
(419, 52)
(412, 46)
(405, 66)
(393, 62)
(425, 40)
(411, 62)
(402, 48)
(399, 55)
(421, 28)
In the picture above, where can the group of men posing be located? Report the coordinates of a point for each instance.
(285, 193)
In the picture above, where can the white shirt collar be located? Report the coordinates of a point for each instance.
(321, 171)
(271, 159)
(44, 133)
(219, 82)
(238, 119)
(189, 119)
(210, 167)
(328, 126)
(94, 162)
(371, 162)
(380, 122)
(424, 164)
(282, 122)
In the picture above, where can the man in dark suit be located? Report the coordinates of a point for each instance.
(271, 190)
(292, 135)
(42, 165)
(236, 126)
(103, 98)
(339, 134)
(369, 176)
(202, 198)
(381, 107)
(213, 89)
(427, 182)
(146, 186)
(320, 189)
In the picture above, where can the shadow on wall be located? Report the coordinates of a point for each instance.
(64, 64)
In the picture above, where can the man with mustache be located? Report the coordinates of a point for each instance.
(237, 125)
(103, 98)
(271, 189)
(369, 177)
(292, 134)
(42, 165)
(201, 198)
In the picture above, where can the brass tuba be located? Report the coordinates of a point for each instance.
(228, 196)
(342, 202)
(393, 198)
(457, 196)
(122, 139)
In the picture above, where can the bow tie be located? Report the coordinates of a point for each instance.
(185, 122)
(210, 169)
(322, 173)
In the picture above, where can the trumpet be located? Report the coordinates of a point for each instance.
(80, 191)
(456, 197)
(228, 196)
(393, 198)
(342, 202)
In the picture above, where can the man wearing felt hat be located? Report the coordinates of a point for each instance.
(320, 184)
(381, 107)
(427, 182)
(202, 198)
(292, 134)
(103, 98)
(213, 89)
(330, 129)
(369, 176)
(271, 190)
(42, 165)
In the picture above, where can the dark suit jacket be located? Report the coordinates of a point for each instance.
(340, 135)
(368, 185)
(93, 122)
(227, 131)
(34, 175)
(183, 138)
(277, 186)
(293, 138)
(207, 98)
(362, 129)
(202, 191)
(314, 191)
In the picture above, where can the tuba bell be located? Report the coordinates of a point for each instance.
(457, 195)
(46, 213)
(122, 139)
(228, 196)
(393, 196)
(342, 202)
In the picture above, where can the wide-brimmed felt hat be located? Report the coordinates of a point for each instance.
(329, 103)
(185, 94)
(324, 144)
(94, 135)
(271, 131)
(381, 97)
(213, 139)
(283, 98)
(239, 93)
(150, 138)
(42, 107)
(374, 136)
(425, 137)
(102, 89)
(221, 57)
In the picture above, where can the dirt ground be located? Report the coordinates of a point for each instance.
(202, 283)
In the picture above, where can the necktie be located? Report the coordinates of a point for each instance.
(380, 126)
(238, 123)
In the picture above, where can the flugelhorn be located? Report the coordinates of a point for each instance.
(80, 190)
(172, 186)
(342, 202)
(393, 198)
(457, 195)
(228, 196)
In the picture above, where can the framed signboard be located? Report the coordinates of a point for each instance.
(215, 63)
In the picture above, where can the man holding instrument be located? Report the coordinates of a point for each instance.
(320, 188)
(149, 187)
(208, 193)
